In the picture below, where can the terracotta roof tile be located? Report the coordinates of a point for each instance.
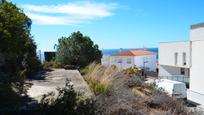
(134, 53)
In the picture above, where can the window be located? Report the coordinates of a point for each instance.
(182, 71)
(129, 61)
(120, 60)
(176, 58)
(184, 58)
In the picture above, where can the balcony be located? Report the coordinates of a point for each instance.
(180, 78)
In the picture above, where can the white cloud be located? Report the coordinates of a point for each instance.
(52, 20)
(69, 14)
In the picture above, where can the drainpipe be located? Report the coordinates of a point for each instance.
(190, 65)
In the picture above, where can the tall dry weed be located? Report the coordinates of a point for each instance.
(99, 77)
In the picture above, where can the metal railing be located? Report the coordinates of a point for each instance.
(180, 78)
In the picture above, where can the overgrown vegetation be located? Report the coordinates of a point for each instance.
(132, 71)
(77, 50)
(127, 93)
(66, 101)
(117, 92)
(52, 64)
(98, 77)
(17, 47)
(17, 54)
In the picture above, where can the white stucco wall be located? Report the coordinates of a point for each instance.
(197, 69)
(123, 65)
(194, 49)
(105, 60)
(167, 52)
(197, 34)
(135, 61)
(150, 60)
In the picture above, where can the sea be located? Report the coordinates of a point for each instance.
(106, 52)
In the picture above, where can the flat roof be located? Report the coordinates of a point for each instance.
(199, 25)
(175, 41)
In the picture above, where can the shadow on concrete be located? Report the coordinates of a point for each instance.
(41, 75)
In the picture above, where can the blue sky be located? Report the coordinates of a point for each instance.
(112, 23)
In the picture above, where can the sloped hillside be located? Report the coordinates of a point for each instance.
(126, 93)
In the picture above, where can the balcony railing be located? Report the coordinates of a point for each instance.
(180, 78)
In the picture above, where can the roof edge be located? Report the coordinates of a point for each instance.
(199, 25)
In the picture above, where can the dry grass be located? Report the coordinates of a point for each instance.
(124, 92)
(99, 77)
(161, 101)
(132, 71)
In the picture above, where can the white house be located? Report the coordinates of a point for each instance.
(184, 61)
(139, 58)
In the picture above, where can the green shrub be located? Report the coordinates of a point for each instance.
(97, 86)
(52, 64)
(56, 64)
(66, 102)
(84, 71)
(132, 71)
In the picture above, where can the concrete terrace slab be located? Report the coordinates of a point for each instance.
(56, 78)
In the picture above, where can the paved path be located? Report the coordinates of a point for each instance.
(49, 81)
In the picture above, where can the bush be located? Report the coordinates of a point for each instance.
(135, 81)
(66, 102)
(132, 71)
(166, 103)
(84, 71)
(99, 77)
(52, 64)
(34, 64)
(97, 86)
(56, 64)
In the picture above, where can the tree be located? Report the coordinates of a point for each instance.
(17, 48)
(77, 50)
(17, 55)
